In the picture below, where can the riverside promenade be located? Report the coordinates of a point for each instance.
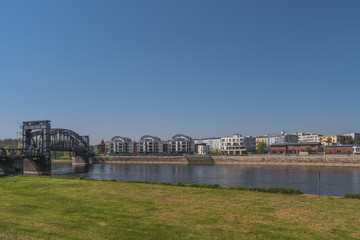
(312, 160)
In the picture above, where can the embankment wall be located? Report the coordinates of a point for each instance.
(333, 161)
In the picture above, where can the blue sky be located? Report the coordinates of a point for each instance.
(203, 68)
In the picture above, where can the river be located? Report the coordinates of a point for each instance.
(334, 181)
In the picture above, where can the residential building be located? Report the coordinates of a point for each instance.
(104, 146)
(283, 137)
(202, 148)
(182, 144)
(356, 149)
(149, 145)
(295, 148)
(333, 140)
(354, 136)
(122, 145)
(237, 145)
(308, 137)
(261, 139)
(340, 149)
(213, 143)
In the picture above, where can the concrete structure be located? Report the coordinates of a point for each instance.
(308, 137)
(340, 149)
(122, 145)
(295, 148)
(182, 144)
(283, 137)
(237, 145)
(149, 145)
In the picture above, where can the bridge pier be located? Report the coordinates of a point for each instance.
(41, 166)
(80, 160)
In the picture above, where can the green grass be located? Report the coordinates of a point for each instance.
(67, 208)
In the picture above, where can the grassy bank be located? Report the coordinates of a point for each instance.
(55, 208)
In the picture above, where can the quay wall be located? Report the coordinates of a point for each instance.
(313, 160)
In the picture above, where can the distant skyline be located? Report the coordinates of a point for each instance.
(202, 68)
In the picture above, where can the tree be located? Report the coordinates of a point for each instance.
(261, 147)
(308, 150)
(357, 142)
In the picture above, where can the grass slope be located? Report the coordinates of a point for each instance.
(54, 208)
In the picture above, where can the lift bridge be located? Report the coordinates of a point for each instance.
(39, 139)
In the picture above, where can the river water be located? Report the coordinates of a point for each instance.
(334, 181)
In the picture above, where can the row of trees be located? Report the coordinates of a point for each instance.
(10, 143)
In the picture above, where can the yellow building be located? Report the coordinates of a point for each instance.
(331, 140)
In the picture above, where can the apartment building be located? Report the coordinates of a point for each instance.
(261, 139)
(237, 145)
(122, 145)
(182, 144)
(149, 145)
(333, 140)
(283, 137)
(213, 143)
(308, 137)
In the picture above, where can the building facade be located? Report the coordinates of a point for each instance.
(213, 143)
(202, 148)
(308, 137)
(121, 145)
(339, 149)
(182, 144)
(237, 145)
(149, 145)
(295, 148)
(261, 139)
(333, 140)
(283, 137)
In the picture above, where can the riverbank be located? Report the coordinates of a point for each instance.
(313, 160)
(44, 208)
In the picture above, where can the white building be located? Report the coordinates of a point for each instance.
(121, 145)
(182, 144)
(213, 143)
(354, 136)
(149, 144)
(203, 149)
(308, 137)
(356, 149)
(282, 138)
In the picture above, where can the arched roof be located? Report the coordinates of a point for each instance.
(143, 138)
(125, 139)
(182, 137)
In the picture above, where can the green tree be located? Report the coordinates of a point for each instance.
(357, 142)
(261, 147)
(308, 150)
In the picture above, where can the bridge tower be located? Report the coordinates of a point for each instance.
(37, 147)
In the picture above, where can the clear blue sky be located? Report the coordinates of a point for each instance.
(203, 68)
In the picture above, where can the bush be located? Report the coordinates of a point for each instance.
(352, 195)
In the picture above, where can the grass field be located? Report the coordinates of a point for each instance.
(55, 208)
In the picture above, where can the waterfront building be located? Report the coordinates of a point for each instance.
(261, 139)
(202, 148)
(149, 145)
(340, 149)
(333, 140)
(308, 137)
(237, 145)
(122, 145)
(283, 137)
(354, 136)
(295, 148)
(356, 149)
(213, 143)
(182, 144)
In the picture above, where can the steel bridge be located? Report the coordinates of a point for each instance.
(38, 140)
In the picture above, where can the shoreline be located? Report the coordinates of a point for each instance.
(270, 160)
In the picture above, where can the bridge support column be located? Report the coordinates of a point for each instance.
(80, 160)
(40, 166)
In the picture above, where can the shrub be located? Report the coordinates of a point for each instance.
(352, 195)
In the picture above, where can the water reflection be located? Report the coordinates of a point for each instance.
(334, 181)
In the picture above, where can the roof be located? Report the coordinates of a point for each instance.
(295, 144)
(345, 145)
